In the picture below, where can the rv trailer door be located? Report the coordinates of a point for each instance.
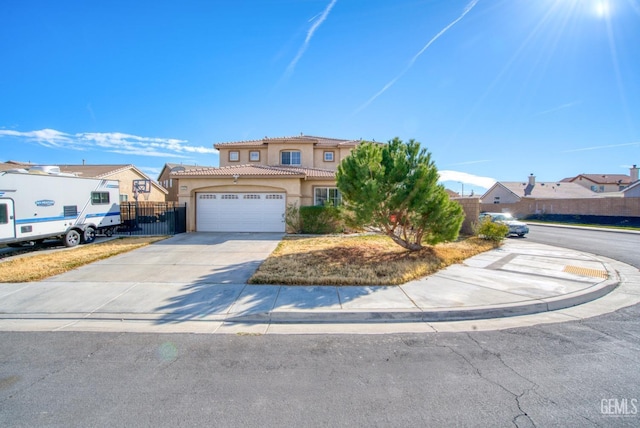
(7, 219)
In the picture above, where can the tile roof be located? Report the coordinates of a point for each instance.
(257, 171)
(93, 171)
(602, 178)
(6, 166)
(548, 190)
(321, 141)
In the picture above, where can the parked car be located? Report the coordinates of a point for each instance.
(515, 227)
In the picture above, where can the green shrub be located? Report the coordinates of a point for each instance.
(321, 219)
(491, 231)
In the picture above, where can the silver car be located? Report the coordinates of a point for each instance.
(515, 227)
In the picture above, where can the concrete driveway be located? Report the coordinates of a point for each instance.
(190, 276)
(214, 258)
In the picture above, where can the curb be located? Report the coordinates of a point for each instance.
(529, 307)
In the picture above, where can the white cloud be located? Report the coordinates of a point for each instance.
(463, 177)
(113, 142)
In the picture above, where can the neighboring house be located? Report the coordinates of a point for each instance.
(170, 182)
(257, 180)
(633, 191)
(603, 183)
(510, 192)
(14, 165)
(125, 174)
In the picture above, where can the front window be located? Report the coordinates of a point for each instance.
(234, 156)
(325, 195)
(254, 156)
(124, 198)
(328, 156)
(290, 158)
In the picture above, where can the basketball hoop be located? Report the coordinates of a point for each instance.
(141, 187)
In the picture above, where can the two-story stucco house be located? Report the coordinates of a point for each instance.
(605, 183)
(258, 179)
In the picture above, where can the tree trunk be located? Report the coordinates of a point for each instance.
(411, 246)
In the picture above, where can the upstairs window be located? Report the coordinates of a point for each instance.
(328, 156)
(234, 156)
(290, 158)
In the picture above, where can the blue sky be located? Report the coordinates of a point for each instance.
(493, 89)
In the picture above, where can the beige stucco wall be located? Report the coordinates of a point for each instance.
(606, 187)
(126, 182)
(306, 153)
(244, 156)
(506, 196)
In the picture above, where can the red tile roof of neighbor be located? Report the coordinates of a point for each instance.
(622, 179)
(257, 171)
(321, 141)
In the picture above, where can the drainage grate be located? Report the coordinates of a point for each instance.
(596, 273)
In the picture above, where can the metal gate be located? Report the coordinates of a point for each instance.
(152, 218)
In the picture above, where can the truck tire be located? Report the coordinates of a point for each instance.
(71, 238)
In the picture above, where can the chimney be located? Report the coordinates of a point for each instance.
(532, 180)
(633, 172)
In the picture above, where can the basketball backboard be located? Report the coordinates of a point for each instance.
(141, 187)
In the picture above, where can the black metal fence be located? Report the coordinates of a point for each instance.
(152, 218)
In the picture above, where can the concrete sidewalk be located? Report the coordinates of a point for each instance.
(505, 286)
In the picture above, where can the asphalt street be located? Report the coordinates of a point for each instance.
(567, 374)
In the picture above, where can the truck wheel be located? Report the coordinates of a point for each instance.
(89, 235)
(71, 238)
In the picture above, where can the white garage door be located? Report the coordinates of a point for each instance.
(240, 212)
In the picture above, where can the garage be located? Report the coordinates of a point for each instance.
(240, 212)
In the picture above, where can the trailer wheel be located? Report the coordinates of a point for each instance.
(89, 235)
(71, 238)
(108, 232)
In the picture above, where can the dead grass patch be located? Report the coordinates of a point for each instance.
(34, 267)
(359, 260)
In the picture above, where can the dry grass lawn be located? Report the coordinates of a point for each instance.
(34, 266)
(359, 260)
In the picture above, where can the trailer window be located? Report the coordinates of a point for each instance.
(4, 214)
(99, 198)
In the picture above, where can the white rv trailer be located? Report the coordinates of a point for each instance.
(36, 205)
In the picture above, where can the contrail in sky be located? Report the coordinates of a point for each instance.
(310, 33)
(584, 149)
(466, 10)
(554, 109)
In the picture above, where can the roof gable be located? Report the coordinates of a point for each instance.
(616, 179)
